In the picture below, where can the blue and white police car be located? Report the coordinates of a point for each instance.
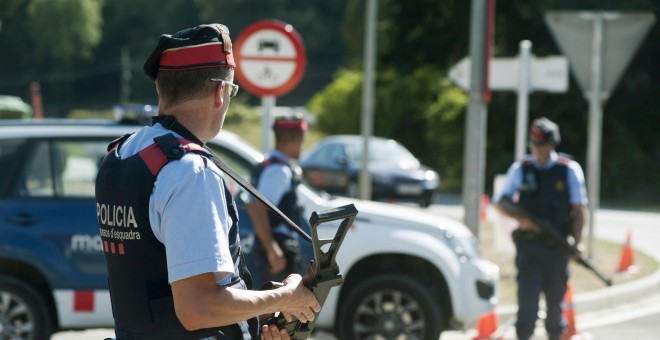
(407, 274)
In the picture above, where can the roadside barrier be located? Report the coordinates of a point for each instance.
(569, 313)
(483, 207)
(626, 264)
(486, 326)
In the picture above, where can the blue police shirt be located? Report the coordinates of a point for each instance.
(187, 211)
(576, 185)
(275, 181)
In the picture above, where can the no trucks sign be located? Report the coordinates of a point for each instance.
(270, 58)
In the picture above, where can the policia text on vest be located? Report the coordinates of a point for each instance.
(118, 216)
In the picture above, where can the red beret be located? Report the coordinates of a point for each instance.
(291, 123)
(203, 46)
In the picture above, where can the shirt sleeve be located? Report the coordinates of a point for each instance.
(188, 213)
(274, 182)
(576, 184)
(512, 183)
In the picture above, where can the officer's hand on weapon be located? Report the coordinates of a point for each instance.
(528, 225)
(276, 258)
(301, 303)
(272, 333)
(579, 250)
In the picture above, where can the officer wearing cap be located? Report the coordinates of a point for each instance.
(549, 185)
(167, 220)
(277, 252)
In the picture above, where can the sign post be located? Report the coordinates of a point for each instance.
(522, 107)
(599, 46)
(270, 61)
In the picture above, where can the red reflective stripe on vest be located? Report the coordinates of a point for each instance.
(155, 158)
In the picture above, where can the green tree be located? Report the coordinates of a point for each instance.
(427, 37)
(66, 29)
(337, 107)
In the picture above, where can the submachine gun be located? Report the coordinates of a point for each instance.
(323, 272)
(551, 233)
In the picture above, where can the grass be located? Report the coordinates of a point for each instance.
(606, 258)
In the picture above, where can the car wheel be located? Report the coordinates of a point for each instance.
(390, 306)
(425, 200)
(23, 311)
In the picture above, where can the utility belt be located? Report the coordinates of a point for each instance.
(520, 235)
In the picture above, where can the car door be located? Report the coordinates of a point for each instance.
(48, 209)
(328, 168)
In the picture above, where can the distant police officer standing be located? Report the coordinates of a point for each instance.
(551, 186)
(167, 219)
(277, 252)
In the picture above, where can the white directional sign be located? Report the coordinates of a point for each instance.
(546, 74)
(270, 58)
(620, 33)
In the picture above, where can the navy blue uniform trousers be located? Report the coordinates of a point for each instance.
(542, 267)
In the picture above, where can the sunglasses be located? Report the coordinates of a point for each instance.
(234, 87)
(538, 143)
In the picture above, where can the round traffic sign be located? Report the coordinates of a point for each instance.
(270, 58)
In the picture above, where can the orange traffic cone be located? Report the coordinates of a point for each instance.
(483, 206)
(486, 326)
(626, 263)
(569, 313)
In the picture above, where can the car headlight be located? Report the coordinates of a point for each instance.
(430, 175)
(465, 247)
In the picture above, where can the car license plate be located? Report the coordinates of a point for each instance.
(409, 189)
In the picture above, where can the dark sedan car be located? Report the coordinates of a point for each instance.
(334, 163)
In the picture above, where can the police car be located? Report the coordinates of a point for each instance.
(406, 274)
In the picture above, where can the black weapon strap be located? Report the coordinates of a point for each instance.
(247, 186)
(169, 122)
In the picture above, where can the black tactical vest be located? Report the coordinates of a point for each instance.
(142, 303)
(544, 193)
(289, 202)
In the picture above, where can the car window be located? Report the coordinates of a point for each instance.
(62, 168)
(11, 162)
(37, 178)
(76, 165)
(383, 151)
(329, 152)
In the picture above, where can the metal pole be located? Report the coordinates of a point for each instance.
(126, 75)
(473, 174)
(595, 126)
(364, 191)
(267, 105)
(523, 99)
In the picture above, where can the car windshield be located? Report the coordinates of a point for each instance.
(383, 151)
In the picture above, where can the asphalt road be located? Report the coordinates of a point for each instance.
(619, 320)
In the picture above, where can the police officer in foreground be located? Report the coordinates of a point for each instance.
(277, 252)
(551, 186)
(167, 219)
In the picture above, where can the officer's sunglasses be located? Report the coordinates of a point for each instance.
(234, 87)
(538, 143)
